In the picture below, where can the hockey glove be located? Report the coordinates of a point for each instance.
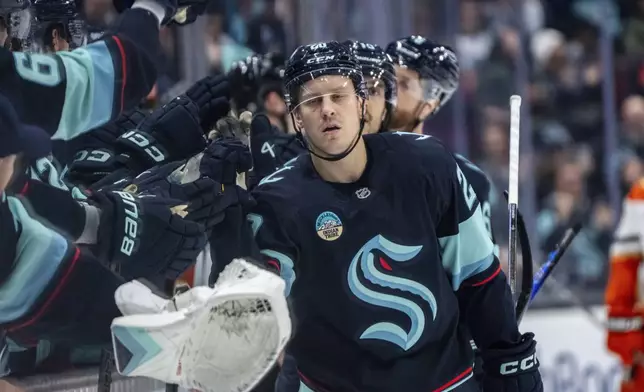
(203, 196)
(224, 159)
(95, 157)
(179, 12)
(146, 235)
(211, 95)
(512, 368)
(270, 148)
(170, 133)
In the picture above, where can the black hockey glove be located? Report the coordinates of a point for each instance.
(270, 148)
(170, 133)
(514, 368)
(224, 159)
(95, 157)
(179, 12)
(211, 95)
(92, 165)
(203, 196)
(145, 235)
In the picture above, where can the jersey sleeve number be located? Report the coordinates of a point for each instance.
(38, 68)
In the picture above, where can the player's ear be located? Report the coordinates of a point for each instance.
(298, 118)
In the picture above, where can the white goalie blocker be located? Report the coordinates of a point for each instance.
(220, 339)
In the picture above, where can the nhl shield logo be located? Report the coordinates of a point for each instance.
(328, 226)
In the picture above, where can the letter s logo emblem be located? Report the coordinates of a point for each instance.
(384, 330)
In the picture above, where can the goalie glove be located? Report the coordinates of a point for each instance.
(146, 235)
(191, 340)
(211, 96)
(512, 367)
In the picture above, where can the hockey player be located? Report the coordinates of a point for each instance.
(378, 70)
(89, 86)
(427, 74)
(624, 291)
(381, 241)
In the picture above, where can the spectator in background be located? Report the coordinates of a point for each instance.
(565, 204)
(266, 32)
(56, 38)
(474, 43)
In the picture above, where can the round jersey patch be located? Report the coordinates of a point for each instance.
(328, 226)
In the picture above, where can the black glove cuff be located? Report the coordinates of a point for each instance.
(119, 228)
(142, 148)
(512, 360)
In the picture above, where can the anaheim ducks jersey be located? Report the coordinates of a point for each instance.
(625, 286)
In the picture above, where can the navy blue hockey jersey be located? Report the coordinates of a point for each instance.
(379, 270)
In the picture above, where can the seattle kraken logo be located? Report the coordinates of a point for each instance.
(388, 331)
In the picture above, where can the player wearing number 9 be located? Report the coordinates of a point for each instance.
(70, 93)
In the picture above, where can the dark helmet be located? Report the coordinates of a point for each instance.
(434, 62)
(250, 77)
(379, 65)
(29, 24)
(324, 58)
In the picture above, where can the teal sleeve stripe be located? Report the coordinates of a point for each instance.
(35, 266)
(287, 268)
(469, 252)
(89, 96)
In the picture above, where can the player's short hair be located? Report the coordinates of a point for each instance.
(58, 27)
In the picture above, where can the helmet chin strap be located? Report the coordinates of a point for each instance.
(306, 142)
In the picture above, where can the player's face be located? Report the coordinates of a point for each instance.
(411, 101)
(329, 113)
(375, 105)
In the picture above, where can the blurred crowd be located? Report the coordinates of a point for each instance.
(578, 64)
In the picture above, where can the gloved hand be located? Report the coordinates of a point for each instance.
(203, 196)
(95, 157)
(625, 333)
(170, 133)
(224, 158)
(512, 368)
(179, 12)
(211, 95)
(146, 235)
(270, 148)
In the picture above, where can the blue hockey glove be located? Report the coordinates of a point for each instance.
(512, 368)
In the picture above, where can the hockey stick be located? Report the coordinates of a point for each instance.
(524, 295)
(513, 191)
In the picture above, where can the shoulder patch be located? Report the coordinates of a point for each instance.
(328, 226)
